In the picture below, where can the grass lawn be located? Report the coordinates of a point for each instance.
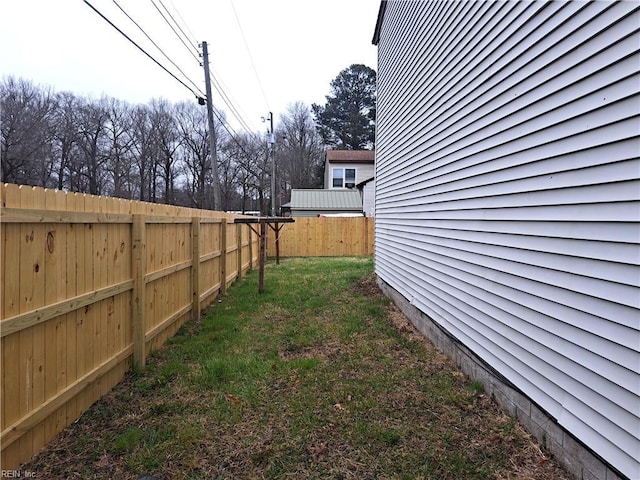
(318, 377)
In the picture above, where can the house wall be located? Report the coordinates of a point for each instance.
(363, 171)
(507, 203)
(368, 199)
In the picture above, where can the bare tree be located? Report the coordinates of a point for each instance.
(192, 126)
(228, 174)
(143, 139)
(195, 152)
(93, 143)
(253, 171)
(300, 150)
(65, 136)
(158, 151)
(119, 135)
(167, 142)
(26, 130)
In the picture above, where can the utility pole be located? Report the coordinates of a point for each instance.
(271, 139)
(217, 201)
(273, 167)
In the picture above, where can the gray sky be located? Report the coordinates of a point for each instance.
(297, 47)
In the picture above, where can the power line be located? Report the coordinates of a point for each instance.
(193, 37)
(174, 31)
(237, 107)
(156, 45)
(216, 84)
(226, 125)
(250, 56)
(140, 48)
(192, 44)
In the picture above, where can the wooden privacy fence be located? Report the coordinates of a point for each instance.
(88, 284)
(325, 237)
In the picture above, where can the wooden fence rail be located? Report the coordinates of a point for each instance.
(90, 284)
(324, 237)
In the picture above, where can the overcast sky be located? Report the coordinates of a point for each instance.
(297, 47)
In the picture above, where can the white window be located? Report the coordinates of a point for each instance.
(344, 177)
(338, 177)
(349, 177)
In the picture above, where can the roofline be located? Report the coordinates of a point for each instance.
(351, 161)
(364, 182)
(376, 33)
(326, 209)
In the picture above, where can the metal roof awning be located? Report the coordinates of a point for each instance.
(325, 199)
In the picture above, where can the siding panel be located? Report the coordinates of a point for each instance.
(508, 196)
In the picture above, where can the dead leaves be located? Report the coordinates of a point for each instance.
(231, 398)
(340, 407)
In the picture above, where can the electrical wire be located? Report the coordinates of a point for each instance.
(174, 31)
(140, 48)
(235, 105)
(193, 39)
(233, 135)
(192, 44)
(255, 71)
(215, 82)
(158, 47)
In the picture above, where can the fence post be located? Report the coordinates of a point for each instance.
(139, 242)
(366, 235)
(195, 268)
(263, 255)
(223, 257)
(239, 242)
(250, 248)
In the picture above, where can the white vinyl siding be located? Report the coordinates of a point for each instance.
(368, 199)
(508, 196)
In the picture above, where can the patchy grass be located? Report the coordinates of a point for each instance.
(319, 377)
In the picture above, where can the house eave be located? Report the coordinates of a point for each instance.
(376, 33)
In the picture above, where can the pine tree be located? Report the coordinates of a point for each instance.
(347, 120)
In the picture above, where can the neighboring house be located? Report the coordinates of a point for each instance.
(348, 187)
(347, 168)
(318, 202)
(507, 208)
(367, 190)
